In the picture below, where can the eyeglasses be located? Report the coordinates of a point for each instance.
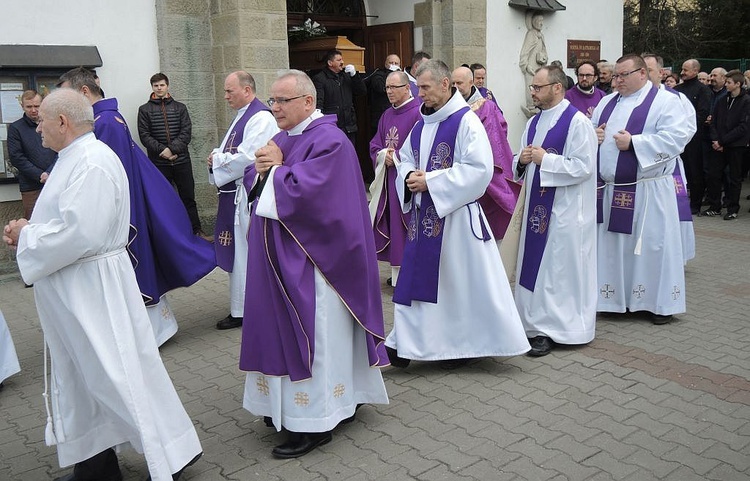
(281, 100)
(537, 88)
(391, 87)
(586, 75)
(623, 75)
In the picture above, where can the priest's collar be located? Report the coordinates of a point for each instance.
(403, 103)
(474, 96)
(587, 92)
(300, 127)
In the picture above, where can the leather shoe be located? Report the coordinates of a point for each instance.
(540, 346)
(72, 477)
(300, 444)
(351, 418)
(659, 320)
(451, 364)
(177, 475)
(394, 359)
(229, 322)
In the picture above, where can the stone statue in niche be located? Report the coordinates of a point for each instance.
(533, 55)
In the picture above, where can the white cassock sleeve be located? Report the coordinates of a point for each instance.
(578, 161)
(258, 131)
(468, 178)
(403, 168)
(87, 209)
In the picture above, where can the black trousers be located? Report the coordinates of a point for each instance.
(102, 467)
(692, 157)
(731, 157)
(181, 175)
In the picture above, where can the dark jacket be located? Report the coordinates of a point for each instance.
(165, 123)
(336, 93)
(730, 124)
(27, 154)
(378, 99)
(699, 95)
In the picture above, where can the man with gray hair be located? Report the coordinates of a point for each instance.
(452, 301)
(251, 128)
(312, 338)
(109, 385)
(605, 76)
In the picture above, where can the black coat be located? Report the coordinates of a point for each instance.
(336, 93)
(730, 125)
(28, 155)
(165, 123)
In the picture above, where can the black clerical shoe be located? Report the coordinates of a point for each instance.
(660, 320)
(229, 322)
(540, 346)
(72, 477)
(300, 444)
(394, 359)
(389, 282)
(351, 418)
(451, 364)
(177, 475)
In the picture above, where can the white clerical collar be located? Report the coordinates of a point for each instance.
(474, 96)
(587, 92)
(396, 107)
(300, 127)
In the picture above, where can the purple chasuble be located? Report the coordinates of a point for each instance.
(324, 223)
(626, 174)
(390, 223)
(586, 103)
(487, 93)
(164, 252)
(419, 276)
(224, 230)
(499, 200)
(541, 199)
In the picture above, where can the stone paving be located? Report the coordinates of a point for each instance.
(641, 402)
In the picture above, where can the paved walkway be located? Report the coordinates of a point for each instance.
(639, 403)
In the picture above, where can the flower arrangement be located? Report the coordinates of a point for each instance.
(306, 31)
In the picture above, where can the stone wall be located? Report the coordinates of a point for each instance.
(453, 31)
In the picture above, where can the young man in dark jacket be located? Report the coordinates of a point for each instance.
(165, 130)
(730, 134)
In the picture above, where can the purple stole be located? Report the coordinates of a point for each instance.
(224, 230)
(541, 199)
(419, 275)
(626, 173)
(683, 199)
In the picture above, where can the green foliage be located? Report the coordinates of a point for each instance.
(682, 29)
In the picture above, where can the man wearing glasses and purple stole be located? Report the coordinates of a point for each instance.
(313, 335)
(452, 300)
(556, 286)
(251, 128)
(641, 131)
(389, 223)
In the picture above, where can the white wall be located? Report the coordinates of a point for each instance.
(124, 32)
(506, 30)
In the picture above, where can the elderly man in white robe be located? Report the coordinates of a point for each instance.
(8, 357)
(251, 128)
(453, 301)
(556, 285)
(641, 130)
(108, 384)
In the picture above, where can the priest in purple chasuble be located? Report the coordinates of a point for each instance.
(164, 251)
(389, 223)
(655, 64)
(107, 384)
(499, 199)
(641, 131)
(251, 128)
(556, 276)
(312, 335)
(585, 96)
(452, 301)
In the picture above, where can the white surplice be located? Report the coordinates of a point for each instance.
(475, 315)
(341, 374)
(562, 305)
(163, 322)
(228, 167)
(8, 358)
(108, 383)
(644, 271)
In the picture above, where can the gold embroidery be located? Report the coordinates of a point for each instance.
(301, 399)
(339, 390)
(262, 385)
(225, 238)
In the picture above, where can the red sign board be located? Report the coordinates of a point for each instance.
(580, 50)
